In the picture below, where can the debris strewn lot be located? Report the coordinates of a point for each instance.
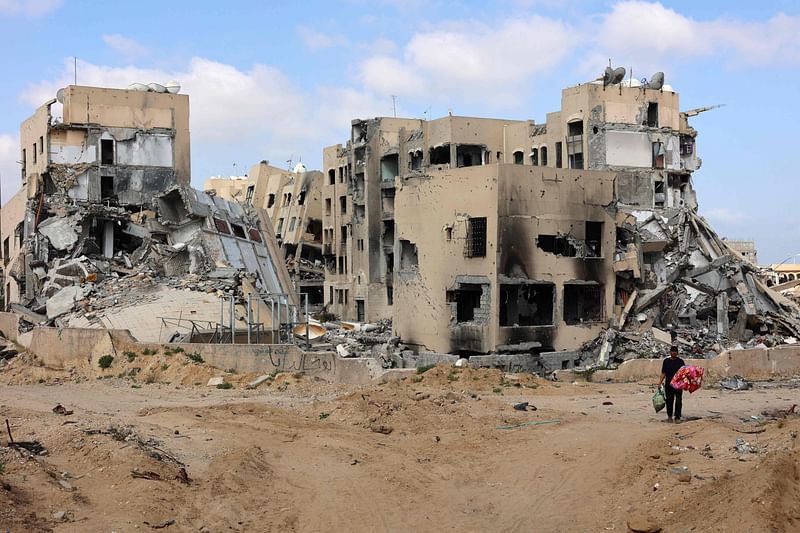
(311, 456)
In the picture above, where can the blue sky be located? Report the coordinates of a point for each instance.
(279, 81)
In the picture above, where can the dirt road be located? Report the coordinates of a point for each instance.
(445, 451)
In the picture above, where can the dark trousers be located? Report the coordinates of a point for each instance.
(673, 396)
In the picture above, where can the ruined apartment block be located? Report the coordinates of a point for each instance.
(481, 235)
(293, 203)
(106, 233)
(109, 146)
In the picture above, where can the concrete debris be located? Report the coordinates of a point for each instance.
(735, 383)
(213, 382)
(63, 301)
(259, 380)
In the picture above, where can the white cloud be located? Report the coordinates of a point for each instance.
(29, 8)
(9, 168)
(125, 46)
(227, 104)
(473, 61)
(258, 112)
(316, 40)
(652, 36)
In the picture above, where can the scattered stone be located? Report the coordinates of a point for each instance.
(685, 478)
(213, 382)
(259, 380)
(642, 524)
(65, 485)
(380, 428)
(735, 383)
(59, 516)
(61, 410)
(743, 447)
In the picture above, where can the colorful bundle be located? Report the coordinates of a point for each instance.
(689, 378)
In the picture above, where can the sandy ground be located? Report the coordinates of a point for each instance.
(445, 451)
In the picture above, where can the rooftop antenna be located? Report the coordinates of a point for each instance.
(394, 105)
(289, 162)
(75, 68)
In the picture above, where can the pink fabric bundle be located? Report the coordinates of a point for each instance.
(689, 378)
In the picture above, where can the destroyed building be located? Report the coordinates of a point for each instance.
(572, 240)
(106, 232)
(745, 248)
(292, 200)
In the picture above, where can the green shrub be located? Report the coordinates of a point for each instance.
(417, 379)
(497, 390)
(225, 386)
(324, 415)
(452, 376)
(130, 355)
(105, 361)
(424, 368)
(165, 366)
(195, 357)
(148, 351)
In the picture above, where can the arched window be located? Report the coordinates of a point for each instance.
(543, 152)
(534, 156)
(519, 158)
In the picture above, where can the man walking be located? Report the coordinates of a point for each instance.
(674, 397)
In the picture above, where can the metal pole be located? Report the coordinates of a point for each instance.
(233, 320)
(249, 316)
(272, 323)
(258, 320)
(221, 319)
(308, 342)
(280, 320)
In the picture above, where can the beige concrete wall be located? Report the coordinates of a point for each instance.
(233, 189)
(12, 214)
(34, 140)
(535, 201)
(424, 208)
(58, 348)
(520, 203)
(754, 364)
(134, 109)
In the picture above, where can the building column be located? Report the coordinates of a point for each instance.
(108, 239)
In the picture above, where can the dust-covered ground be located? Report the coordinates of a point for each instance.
(441, 451)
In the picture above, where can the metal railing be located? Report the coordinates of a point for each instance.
(284, 317)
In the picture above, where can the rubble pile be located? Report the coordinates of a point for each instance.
(679, 283)
(85, 259)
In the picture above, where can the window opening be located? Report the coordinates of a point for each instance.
(475, 245)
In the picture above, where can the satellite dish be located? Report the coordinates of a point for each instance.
(60, 96)
(173, 87)
(613, 76)
(656, 81)
(137, 87)
(157, 87)
(607, 75)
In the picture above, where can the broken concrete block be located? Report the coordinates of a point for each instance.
(661, 336)
(258, 381)
(63, 301)
(60, 232)
(213, 382)
(342, 351)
